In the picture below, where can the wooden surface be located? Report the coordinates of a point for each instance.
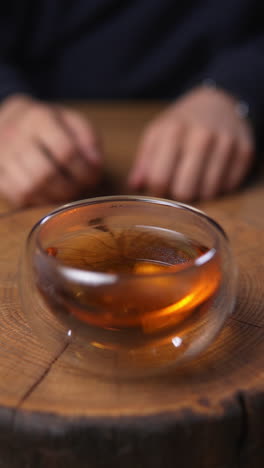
(209, 415)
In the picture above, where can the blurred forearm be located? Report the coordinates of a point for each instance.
(240, 71)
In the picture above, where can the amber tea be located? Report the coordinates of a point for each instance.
(154, 300)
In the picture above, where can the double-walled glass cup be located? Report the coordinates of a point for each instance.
(136, 285)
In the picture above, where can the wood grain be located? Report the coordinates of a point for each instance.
(207, 415)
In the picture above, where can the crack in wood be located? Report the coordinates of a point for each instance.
(38, 381)
(242, 440)
(246, 323)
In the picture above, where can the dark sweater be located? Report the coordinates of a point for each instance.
(132, 48)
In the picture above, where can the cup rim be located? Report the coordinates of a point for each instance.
(104, 277)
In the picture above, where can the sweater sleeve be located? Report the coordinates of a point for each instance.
(12, 80)
(13, 76)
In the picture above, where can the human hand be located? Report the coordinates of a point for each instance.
(47, 153)
(198, 148)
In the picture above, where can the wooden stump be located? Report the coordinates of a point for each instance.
(207, 415)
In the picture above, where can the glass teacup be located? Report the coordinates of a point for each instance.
(137, 285)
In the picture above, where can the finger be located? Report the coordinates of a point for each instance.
(195, 151)
(13, 106)
(143, 159)
(76, 175)
(61, 148)
(41, 173)
(83, 134)
(84, 174)
(220, 158)
(58, 189)
(44, 129)
(15, 184)
(57, 185)
(33, 161)
(165, 159)
(51, 181)
(242, 161)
